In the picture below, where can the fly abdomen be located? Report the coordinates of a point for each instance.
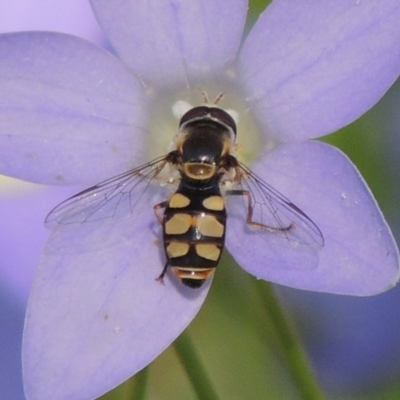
(194, 234)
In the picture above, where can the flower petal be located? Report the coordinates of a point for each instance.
(66, 106)
(171, 41)
(73, 16)
(359, 256)
(23, 209)
(96, 314)
(309, 68)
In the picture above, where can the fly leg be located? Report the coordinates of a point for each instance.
(157, 209)
(249, 215)
(160, 218)
(161, 276)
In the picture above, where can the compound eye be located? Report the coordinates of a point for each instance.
(221, 115)
(199, 171)
(194, 113)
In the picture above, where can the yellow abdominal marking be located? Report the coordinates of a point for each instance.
(208, 225)
(178, 224)
(190, 273)
(178, 200)
(215, 203)
(177, 249)
(208, 251)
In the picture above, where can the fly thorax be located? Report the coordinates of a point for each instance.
(204, 144)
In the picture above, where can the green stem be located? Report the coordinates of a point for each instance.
(195, 370)
(291, 348)
(134, 388)
(140, 385)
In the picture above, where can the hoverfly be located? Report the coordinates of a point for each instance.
(195, 216)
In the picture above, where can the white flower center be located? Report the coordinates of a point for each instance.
(167, 107)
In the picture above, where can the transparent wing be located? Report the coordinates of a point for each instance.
(114, 198)
(270, 211)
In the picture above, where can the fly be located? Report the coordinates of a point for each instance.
(194, 218)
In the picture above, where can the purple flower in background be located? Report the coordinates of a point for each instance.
(353, 342)
(22, 235)
(11, 319)
(76, 114)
